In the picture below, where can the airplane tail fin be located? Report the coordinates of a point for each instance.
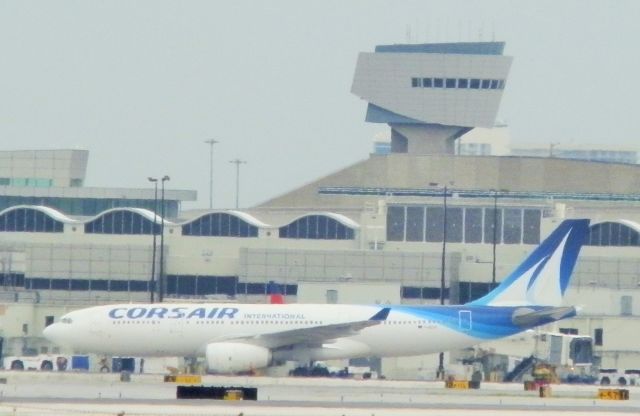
(544, 276)
(275, 293)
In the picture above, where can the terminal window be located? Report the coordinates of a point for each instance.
(598, 337)
(121, 222)
(316, 227)
(29, 220)
(418, 223)
(460, 83)
(220, 225)
(612, 234)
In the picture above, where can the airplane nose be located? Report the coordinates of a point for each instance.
(53, 333)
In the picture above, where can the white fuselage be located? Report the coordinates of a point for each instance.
(186, 330)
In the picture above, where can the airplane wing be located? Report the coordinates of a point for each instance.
(315, 335)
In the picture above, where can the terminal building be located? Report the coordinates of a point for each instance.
(369, 233)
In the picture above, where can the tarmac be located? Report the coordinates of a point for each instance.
(53, 394)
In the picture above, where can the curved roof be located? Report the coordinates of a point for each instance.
(149, 215)
(342, 219)
(51, 212)
(631, 224)
(248, 218)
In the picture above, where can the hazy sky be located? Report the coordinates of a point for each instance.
(141, 84)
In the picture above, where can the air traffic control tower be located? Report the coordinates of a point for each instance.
(431, 94)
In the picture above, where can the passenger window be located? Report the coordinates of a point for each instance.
(485, 84)
(450, 83)
(415, 82)
(427, 82)
(494, 84)
(463, 83)
(475, 83)
(438, 82)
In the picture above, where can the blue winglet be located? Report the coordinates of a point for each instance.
(381, 315)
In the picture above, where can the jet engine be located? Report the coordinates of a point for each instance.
(234, 357)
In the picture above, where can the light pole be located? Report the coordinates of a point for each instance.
(442, 270)
(495, 232)
(238, 162)
(211, 142)
(161, 277)
(152, 282)
(444, 245)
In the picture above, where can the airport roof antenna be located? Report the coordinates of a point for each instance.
(238, 162)
(211, 142)
(551, 147)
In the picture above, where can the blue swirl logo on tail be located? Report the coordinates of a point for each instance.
(544, 276)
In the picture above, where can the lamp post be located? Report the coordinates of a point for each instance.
(444, 245)
(161, 282)
(211, 142)
(442, 270)
(152, 282)
(495, 232)
(238, 162)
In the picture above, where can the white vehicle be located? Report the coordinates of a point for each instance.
(608, 376)
(37, 362)
(242, 337)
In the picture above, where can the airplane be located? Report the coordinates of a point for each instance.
(244, 337)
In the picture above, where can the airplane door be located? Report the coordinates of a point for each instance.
(464, 320)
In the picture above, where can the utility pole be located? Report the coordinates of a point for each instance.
(211, 142)
(495, 232)
(442, 271)
(152, 282)
(444, 246)
(161, 282)
(238, 162)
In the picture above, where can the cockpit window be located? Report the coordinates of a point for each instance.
(66, 320)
